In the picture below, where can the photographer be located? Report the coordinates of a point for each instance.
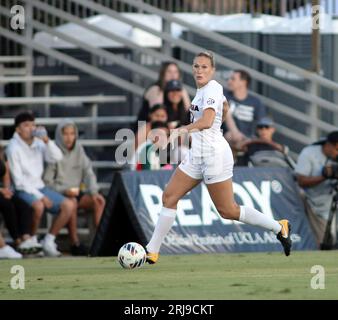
(317, 174)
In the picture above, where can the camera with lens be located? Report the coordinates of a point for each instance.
(331, 171)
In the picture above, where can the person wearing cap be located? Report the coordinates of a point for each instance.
(27, 151)
(265, 130)
(262, 150)
(316, 176)
(178, 115)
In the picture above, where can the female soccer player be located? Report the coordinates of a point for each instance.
(210, 159)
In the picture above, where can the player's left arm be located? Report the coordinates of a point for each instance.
(205, 122)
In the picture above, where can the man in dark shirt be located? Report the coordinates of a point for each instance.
(245, 109)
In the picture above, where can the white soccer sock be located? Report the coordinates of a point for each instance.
(163, 225)
(255, 218)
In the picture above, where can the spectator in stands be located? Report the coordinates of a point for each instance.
(27, 151)
(157, 113)
(245, 109)
(265, 130)
(17, 214)
(316, 176)
(152, 154)
(263, 150)
(66, 176)
(178, 115)
(155, 93)
(7, 252)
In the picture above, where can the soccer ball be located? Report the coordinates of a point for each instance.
(131, 255)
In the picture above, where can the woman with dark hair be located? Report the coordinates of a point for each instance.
(17, 215)
(155, 93)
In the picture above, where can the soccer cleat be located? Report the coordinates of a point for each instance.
(152, 257)
(284, 236)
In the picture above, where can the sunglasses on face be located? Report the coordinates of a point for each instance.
(263, 127)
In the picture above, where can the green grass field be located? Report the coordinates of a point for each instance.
(207, 276)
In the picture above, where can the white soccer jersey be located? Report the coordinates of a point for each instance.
(208, 141)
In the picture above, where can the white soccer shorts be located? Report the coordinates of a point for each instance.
(213, 169)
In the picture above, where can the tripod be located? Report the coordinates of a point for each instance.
(327, 243)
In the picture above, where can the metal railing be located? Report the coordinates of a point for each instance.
(92, 101)
(38, 79)
(292, 8)
(78, 120)
(15, 67)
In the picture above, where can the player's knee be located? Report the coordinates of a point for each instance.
(169, 200)
(229, 211)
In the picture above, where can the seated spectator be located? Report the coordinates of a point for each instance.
(155, 93)
(7, 252)
(153, 154)
(316, 177)
(26, 152)
(17, 214)
(263, 150)
(67, 175)
(178, 115)
(157, 113)
(245, 109)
